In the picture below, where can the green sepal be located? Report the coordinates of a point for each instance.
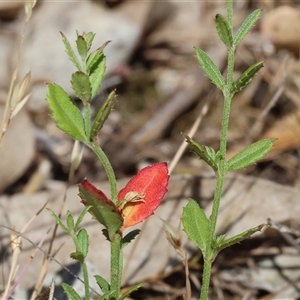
(246, 26)
(96, 66)
(221, 244)
(102, 283)
(209, 67)
(65, 113)
(250, 155)
(196, 224)
(58, 221)
(246, 77)
(129, 237)
(207, 154)
(102, 115)
(103, 209)
(132, 289)
(81, 86)
(82, 47)
(70, 220)
(72, 56)
(223, 30)
(70, 292)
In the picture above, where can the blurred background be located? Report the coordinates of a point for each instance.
(161, 89)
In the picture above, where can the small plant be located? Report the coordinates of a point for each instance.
(199, 228)
(144, 192)
(134, 203)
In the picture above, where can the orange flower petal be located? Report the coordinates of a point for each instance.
(151, 182)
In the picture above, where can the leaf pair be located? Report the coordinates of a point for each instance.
(226, 35)
(248, 156)
(197, 227)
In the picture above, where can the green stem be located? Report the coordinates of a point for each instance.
(116, 265)
(108, 170)
(83, 266)
(205, 279)
(86, 280)
(209, 253)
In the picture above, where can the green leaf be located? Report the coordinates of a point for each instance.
(196, 224)
(79, 256)
(65, 113)
(89, 37)
(128, 292)
(207, 154)
(221, 244)
(83, 241)
(82, 47)
(129, 237)
(246, 26)
(102, 115)
(96, 67)
(224, 30)
(70, 220)
(250, 155)
(71, 53)
(210, 68)
(70, 292)
(246, 77)
(102, 283)
(82, 86)
(80, 218)
(58, 221)
(106, 296)
(103, 209)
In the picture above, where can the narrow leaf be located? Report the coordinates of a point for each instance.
(103, 209)
(102, 115)
(129, 237)
(246, 77)
(102, 283)
(70, 292)
(106, 296)
(78, 255)
(70, 220)
(89, 37)
(224, 30)
(82, 86)
(195, 224)
(70, 52)
(237, 238)
(58, 221)
(80, 218)
(83, 241)
(97, 70)
(210, 68)
(82, 47)
(65, 113)
(207, 153)
(246, 26)
(132, 289)
(250, 155)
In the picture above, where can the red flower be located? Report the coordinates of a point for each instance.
(137, 200)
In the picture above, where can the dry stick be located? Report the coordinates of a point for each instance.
(17, 250)
(6, 118)
(19, 278)
(51, 257)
